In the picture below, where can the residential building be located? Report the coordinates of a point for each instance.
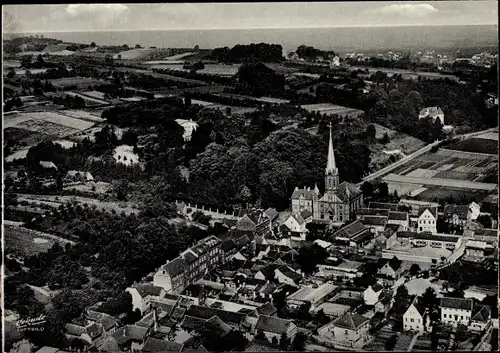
(372, 293)
(87, 333)
(295, 226)
(285, 274)
(433, 113)
(345, 269)
(390, 268)
(273, 326)
(337, 203)
(190, 266)
(478, 248)
(461, 215)
(126, 338)
(153, 345)
(416, 317)
(427, 219)
(142, 295)
(351, 330)
(108, 323)
(385, 240)
(384, 303)
(481, 320)
(456, 311)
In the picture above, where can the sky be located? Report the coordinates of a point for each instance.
(127, 17)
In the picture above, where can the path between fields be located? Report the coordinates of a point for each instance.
(413, 341)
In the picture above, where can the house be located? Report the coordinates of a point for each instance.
(78, 176)
(190, 266)
(309, 294)
(351, 330)
(267, 309)
(344, 269)
(295, 226)
(384, 206)
(432, 112)
(307, 216)
(461, 215)
(109, 323)
(392, 268)
(354, 234)
(142, 295)
(332, 310)
(153, 345)
(87, 333)
(372, 293)
(273, 326)
(267, 273)
(481, 320)
(376, 224)
(427, 219)
(416, 317)
(385, 240)
(285, 274)
(129, 337)
(400, 218)
(456, 311)
(236, 320)
(324, 244)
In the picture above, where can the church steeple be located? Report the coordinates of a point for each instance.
(331, 172)
(331, 166)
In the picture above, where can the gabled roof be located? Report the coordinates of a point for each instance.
(242, 241)
(49, 165)
(384, 206)
(271, 213)
(351, 321)
(272, 324)
(228, 245)
(107, 321)
(393, 263)
(418, 306)
(267, 309)
(377, 287)
(268, 271)
(192, 323)
(432, 210)
(158, 345)
(456, 303)
(483, 314)
(130, 332)
(246, 224)
(346, 191)
(306, 193)
(372, 212)
(298, 218)
(306, 214)
(147, 289)
(350, 230)
(398, 216)
(374, 220)
(460, 210)
(285, 270)
(206, 313)
(175, 267)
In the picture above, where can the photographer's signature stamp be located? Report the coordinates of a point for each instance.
(31, 323)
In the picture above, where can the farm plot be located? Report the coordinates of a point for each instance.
(82, 115)
(456, 175)
(25, 120)
(475, 145)
(331, 109)
(489, 136)
(23, 137)
(97, 188)
(46, 127)
(438, 194)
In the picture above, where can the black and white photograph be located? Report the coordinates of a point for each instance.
(250, 177)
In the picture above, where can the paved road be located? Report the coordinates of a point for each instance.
(415, 154)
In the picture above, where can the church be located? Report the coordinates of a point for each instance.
(337, 203)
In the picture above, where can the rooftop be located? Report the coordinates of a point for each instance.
(272, 324)
(456, 303)
(351, 321)
(310, 294)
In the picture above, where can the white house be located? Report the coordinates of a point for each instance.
(456, 311)
(415, 317)
(297, 226)
(427, 219)
(481, 320)
(285, 274)
(432, 112)
(352, 330)
(142, 295)
(372, 293)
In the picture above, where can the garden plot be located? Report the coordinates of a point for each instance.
(15, 120)
(98, 188)
(23, 242)
(489, 136)
(332, 109)
(46, 128)
(475, 145)
(125, 154)
(83, 115)
(423, 173)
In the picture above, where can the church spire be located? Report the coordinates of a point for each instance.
(331, 166)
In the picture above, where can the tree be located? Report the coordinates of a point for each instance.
(284, 342)
(92, 44)
(383, 190)
(274, 342)
(260, 336)
(391, 343)
(310, 257)
(385, 139)
(299, 342)
(485, 220)
(414, 269)
(371, 131)
(367, 189)
(430, 301)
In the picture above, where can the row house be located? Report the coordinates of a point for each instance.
(455, 311)
(142, 294)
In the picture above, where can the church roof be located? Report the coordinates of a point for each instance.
(346, 191)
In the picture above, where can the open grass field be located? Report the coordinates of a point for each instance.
(331, 109)
(476, 145)
(125, 154)
(76, 81)
(47, 122)
(97, 188)
(25, 137)
(24, 242)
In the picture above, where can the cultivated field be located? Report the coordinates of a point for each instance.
(23, 137)
(210, 69)
(25, 120)
(97, 188)
(89, 101)
(436, 194)
(331, 109)
(76, 81)
(476, 145)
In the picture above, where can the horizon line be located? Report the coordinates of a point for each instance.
(254, 28)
